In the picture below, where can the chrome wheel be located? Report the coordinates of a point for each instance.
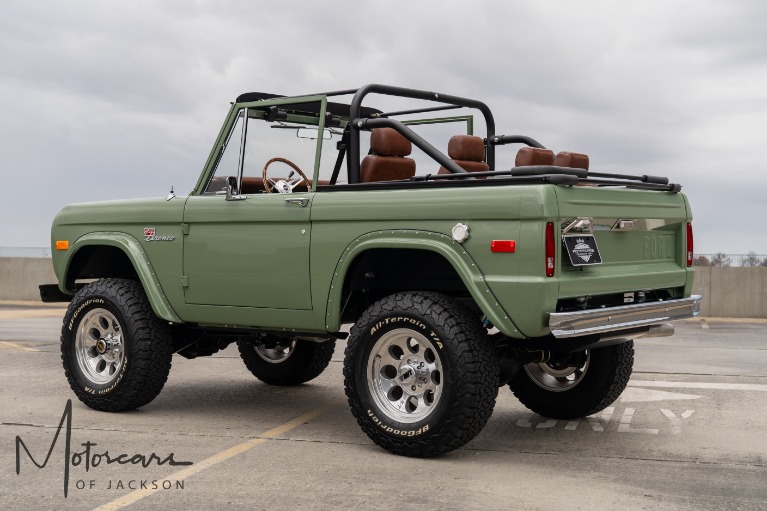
(558, 377)
(99, 346)
(405, 375)
(276, 354)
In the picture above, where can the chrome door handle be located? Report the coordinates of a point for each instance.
(301, 201)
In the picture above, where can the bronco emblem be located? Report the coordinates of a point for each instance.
(149, 235)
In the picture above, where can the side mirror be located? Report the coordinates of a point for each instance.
(231, 189)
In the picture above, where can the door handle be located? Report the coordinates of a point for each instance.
(301, 201)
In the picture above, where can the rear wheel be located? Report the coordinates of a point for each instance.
(574, 385)
(286, 361)
(420, 374)
(116, 352)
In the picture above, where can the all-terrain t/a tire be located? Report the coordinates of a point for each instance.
(583, 384)
(420, 374)
(116, 352)
(291, 363)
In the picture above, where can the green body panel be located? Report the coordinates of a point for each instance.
(247, 317)
(263, 262)
(121, 224)
(490, 212)
(454, 253)
(248, 253)
(652, 257)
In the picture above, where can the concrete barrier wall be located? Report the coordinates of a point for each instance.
(732, 292)
(727, 292)
(20, 276)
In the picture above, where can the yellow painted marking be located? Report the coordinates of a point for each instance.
(8, 345)
(135, 496)
(32, 313)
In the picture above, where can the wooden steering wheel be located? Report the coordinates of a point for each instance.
(283, 185)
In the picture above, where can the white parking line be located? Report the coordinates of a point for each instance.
(698, 385)
(640, 395)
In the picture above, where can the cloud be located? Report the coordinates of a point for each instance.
(106, 100)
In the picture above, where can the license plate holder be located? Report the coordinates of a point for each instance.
(582, 249)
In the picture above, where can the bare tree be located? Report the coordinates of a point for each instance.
(751, 259)
(720, 259)
(701, 261)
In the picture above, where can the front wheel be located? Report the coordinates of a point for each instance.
(116, 352)
(420, 374)
(575, 385)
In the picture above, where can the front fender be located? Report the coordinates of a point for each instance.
(453, 252)
(138, 257)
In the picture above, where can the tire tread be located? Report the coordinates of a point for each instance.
(151, 350)
(476, 373)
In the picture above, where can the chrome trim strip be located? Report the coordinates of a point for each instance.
(612, 319)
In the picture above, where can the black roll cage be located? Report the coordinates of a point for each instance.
(366, 118)
(359, 123)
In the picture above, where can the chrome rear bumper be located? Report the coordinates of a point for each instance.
(635, 318)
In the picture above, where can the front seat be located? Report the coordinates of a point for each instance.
(387, 160)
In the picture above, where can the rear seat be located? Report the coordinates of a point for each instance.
(572, 160)
(528, 156)
(468, 152)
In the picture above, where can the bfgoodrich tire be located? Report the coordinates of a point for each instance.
(289, 363)
(579, 385)
(420, 374)
(116, 352)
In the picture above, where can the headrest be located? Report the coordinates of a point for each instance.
(572, 160)
(534, 156)
(388, 142)
(466, 147)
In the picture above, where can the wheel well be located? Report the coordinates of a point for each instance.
(383, 271)
(98, 261)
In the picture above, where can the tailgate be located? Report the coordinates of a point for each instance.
(641, 237)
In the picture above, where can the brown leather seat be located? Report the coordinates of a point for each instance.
(534, 156)
(468, 152)
(387, 161)
(572, 160)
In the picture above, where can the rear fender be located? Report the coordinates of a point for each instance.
(459, 259)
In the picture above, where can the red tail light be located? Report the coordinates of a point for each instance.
(689, 245)
(551, 247)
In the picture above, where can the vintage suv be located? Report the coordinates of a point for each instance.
(459, 273)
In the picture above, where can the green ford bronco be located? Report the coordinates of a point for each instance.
(460, 268)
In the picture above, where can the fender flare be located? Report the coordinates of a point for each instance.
(444, 245)
(140, 261)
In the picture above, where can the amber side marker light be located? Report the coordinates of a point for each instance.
(62, 245)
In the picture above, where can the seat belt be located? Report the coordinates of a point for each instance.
(341, 146)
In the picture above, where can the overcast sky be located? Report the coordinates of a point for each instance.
(105, 100)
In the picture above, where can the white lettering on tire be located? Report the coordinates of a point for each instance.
(391, 430)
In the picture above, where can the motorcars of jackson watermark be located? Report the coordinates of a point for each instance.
(89, 457)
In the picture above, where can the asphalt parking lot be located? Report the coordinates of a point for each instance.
(688, 433)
